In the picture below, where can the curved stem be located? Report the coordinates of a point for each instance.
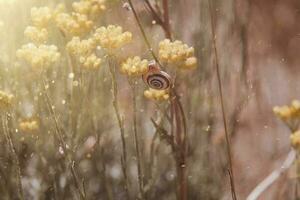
(269, 180)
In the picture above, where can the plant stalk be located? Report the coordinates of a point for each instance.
(136, 140)
(14, 154)
(112, 71)
(228, 145)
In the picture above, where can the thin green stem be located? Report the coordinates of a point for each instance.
(112, 71)
(62, 142)
(143, 32)
(228, 145)
(136, 140)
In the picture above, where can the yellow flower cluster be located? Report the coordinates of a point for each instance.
(6, 100)
(84, 50)
(112, 37)
(75, 24)
(40, 17)
(158, 95)
(177, 53)
(35, 34)
(81, 47)
(91, 8)
(39, 56)
(29, 126)
(91, 61)
(134, 66)
(288, 112)
(295, 139)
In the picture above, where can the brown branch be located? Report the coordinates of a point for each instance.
(166, 27)
(228, 145)
(154, 13)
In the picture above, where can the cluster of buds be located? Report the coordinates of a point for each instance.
(112, 37)
(6, 100)
(177, 53)
(290, 114)
(134, 66)
(75, 24)
(91, 8)
(29, 126)
(41, 56)
(157, 95)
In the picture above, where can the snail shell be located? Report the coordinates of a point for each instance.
(157, 79)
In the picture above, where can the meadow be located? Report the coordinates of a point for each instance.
(149, 99)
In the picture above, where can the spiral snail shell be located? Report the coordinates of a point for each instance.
(157, 79)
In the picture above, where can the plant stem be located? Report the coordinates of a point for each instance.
(112, 71)
(166, 26)
(63, 143)
(228, 145)
(143, 31)
(14, 154)
(136, 140)
(180, 152)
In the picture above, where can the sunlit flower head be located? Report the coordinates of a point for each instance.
(29, 125)
(6, 100)
(112, 37)
(81, 47)
(157, 95)
(91, 62)
(134, 66)
(91, 8)
(60, 8)
(288, 112)
(35, 34)
(75, 24)
(41, 56)
(177, 53)
(295, 139)
(40, 17)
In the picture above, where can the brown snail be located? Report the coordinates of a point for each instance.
(157, 79)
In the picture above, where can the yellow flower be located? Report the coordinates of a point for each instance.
(90, 8)
(283, 112)
(29, 125)
(295, 139)
(190, 63)
(39, 56)
(112, 37)
(6, 100)
(90, 62)
(177, 53)
(75, 24)
(134, 66)
(158, 95)
(288, 112)
(40, 17)
(37, 35)
(81, 47)
(60, 8)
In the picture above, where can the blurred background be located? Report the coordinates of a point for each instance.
(258, 44)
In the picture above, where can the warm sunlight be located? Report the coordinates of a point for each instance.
(149, 99)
